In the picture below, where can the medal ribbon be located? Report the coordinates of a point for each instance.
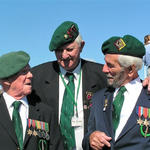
(47, 130)
(145, 112)
(149, 113)
(29, 122)
(141, 129)
(41, 123)
(139, 111)
(46, 127)
(33, 124)
(38, 125)
(42, 145)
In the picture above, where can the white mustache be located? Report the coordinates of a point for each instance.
(109, 76)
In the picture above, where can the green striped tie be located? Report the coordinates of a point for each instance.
(17, 123)
(67, 112)
(117, 105)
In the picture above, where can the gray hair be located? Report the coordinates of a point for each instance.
(127, 61)
(79, 39)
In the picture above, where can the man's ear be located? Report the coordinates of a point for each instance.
(6, 83)
(131, 70)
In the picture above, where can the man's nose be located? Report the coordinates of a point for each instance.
(65, 54)
(30, 75)
(105, 68)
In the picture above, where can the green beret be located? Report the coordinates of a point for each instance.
(127, 45)
(11, 63)
(65, 33)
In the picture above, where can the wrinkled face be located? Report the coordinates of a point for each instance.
(68, 56)
(20, 84)
(116, 75)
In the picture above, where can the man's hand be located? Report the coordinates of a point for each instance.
(98, 140)
(146, 82)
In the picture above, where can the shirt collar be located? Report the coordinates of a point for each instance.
(131, 86)
(134, 85)
(10, 100)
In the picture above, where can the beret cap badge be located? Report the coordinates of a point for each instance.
(65, 36)
(71, 31)
(120, 44)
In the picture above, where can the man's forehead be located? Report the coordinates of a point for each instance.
(111, 58)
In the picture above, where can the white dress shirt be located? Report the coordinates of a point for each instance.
(79, 131)
(23, 110)
(130, 98)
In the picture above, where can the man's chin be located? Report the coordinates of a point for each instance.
(110, 84)
(110, 81)
(68, 67)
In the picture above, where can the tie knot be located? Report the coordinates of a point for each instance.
(16, 105)
(70, 76)
(122, 89)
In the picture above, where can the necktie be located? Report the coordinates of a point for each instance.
(117, 105)
(67, 112)
(17, 123)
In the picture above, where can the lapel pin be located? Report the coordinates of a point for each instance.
(105, 104)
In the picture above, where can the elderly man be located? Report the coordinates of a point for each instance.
(119, 118)
(24, 123)
(70, 100)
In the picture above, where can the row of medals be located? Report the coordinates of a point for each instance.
(40, 133)
(143, 122)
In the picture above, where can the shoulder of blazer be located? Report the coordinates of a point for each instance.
(105, 92)
(144, 94)
(53, 66)
(38, 105)
(93, 72)
(90, 63)
(47, 72)
(92, 68)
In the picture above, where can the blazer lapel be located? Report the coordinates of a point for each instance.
(5, 121)
(33, 113)
(107, 111)
(88, 88)
(132, 121)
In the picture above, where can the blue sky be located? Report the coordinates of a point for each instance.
(29, 24)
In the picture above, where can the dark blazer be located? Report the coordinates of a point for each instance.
(46, 84)
(37, 111)
(101, 119)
